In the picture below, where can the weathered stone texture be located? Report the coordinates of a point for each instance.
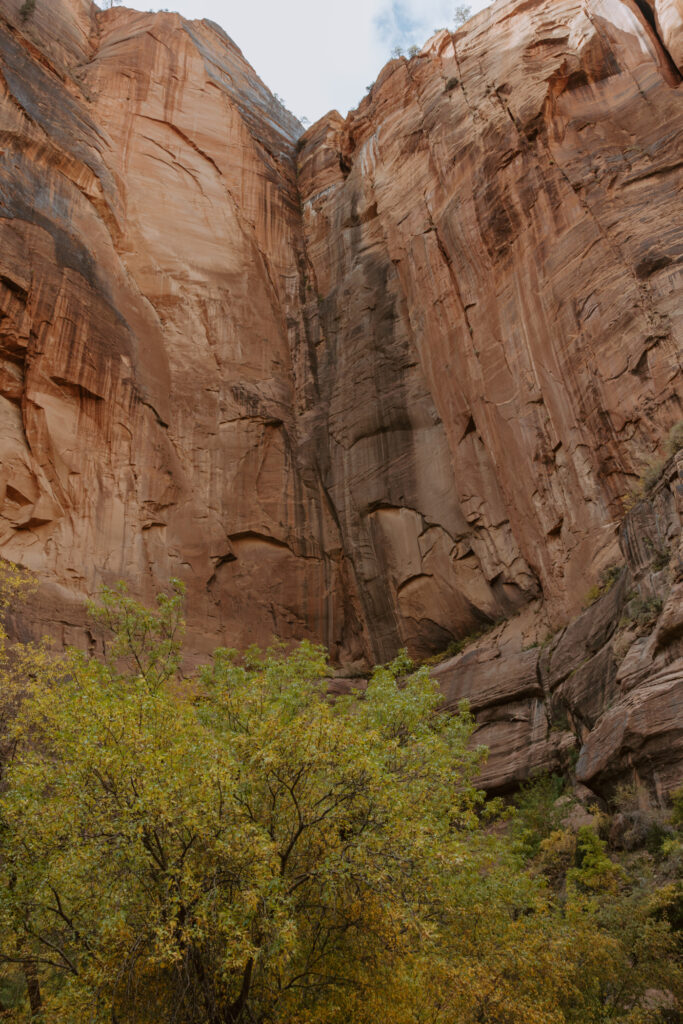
(495, 248)
(381, 385)
(150, 274)
(641, 728)
(603, 697)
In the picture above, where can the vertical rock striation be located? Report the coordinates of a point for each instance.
(381, 384)
(495, 248)
(151, 277)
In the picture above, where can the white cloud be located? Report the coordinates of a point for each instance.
(318, 55)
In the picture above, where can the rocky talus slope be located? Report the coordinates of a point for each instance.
(382, 384)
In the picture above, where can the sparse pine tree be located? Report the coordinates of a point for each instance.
(461, 14)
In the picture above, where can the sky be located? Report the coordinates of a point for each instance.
(316, 55)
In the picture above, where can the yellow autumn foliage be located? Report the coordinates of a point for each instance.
(256, 853)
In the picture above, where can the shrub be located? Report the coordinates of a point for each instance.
(461, 14)
(674, 442)
(642, 611)
(651, 474)
(27, 9)
(536, 814)
(652, 471)
(637, 825)
(628, 796)
(237, 848)
(608, 577)
(557, 854)
(256, 853)
(677, 808)
(593, 867)
(659, 554)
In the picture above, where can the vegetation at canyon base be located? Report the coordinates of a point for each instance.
(233, 846)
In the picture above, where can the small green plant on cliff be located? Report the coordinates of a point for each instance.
(652, 470)
(660, 555)
(458, 646)
(542, 643)
(641, 611)
(651, 474)
(674, 442)
(608, 577)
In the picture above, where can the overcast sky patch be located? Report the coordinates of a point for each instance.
(316, 55)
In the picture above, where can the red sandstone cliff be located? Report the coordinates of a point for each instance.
(378, 386)
(151, 270)
(493, 237)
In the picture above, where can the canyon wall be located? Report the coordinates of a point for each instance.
(151, 273)
(382, 384)
(601, 698)
(494, 242)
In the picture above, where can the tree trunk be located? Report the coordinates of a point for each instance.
(33, 985)
(234, 1012)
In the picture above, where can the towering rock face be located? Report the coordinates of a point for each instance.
(499, 327)
(378, 385)
(151, 274)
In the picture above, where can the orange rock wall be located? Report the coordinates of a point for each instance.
(495, 242)
(150, 274)
(378, 386)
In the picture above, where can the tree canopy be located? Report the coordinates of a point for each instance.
(235, 846)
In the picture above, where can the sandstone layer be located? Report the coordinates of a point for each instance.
(151, 275)
(380, 385)
(602, 698)
(495, 240)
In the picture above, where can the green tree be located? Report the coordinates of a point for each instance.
(461, 14)
(236, 847)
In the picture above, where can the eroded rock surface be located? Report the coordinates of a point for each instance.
(497, 218)
(151, 276)
(381, 385)
(602, 698)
